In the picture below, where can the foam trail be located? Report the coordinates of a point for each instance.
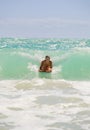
(42, 104)
(44, 101)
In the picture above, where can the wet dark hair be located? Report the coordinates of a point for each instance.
(47, 57)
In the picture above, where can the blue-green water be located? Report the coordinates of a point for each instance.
(30, 100)
(20, 58)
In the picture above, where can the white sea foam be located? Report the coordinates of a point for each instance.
(44, 104)
(32, 67)
(42, 101)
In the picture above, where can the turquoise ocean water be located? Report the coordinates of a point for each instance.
(20, 58)
(44, 101)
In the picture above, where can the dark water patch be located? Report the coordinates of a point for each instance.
(6, 126)
(52, 100)
(2, 116)
(66, 126)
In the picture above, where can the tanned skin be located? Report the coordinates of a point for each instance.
(46, 65)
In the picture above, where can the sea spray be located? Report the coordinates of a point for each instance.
(20, 58)
(44, 101)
